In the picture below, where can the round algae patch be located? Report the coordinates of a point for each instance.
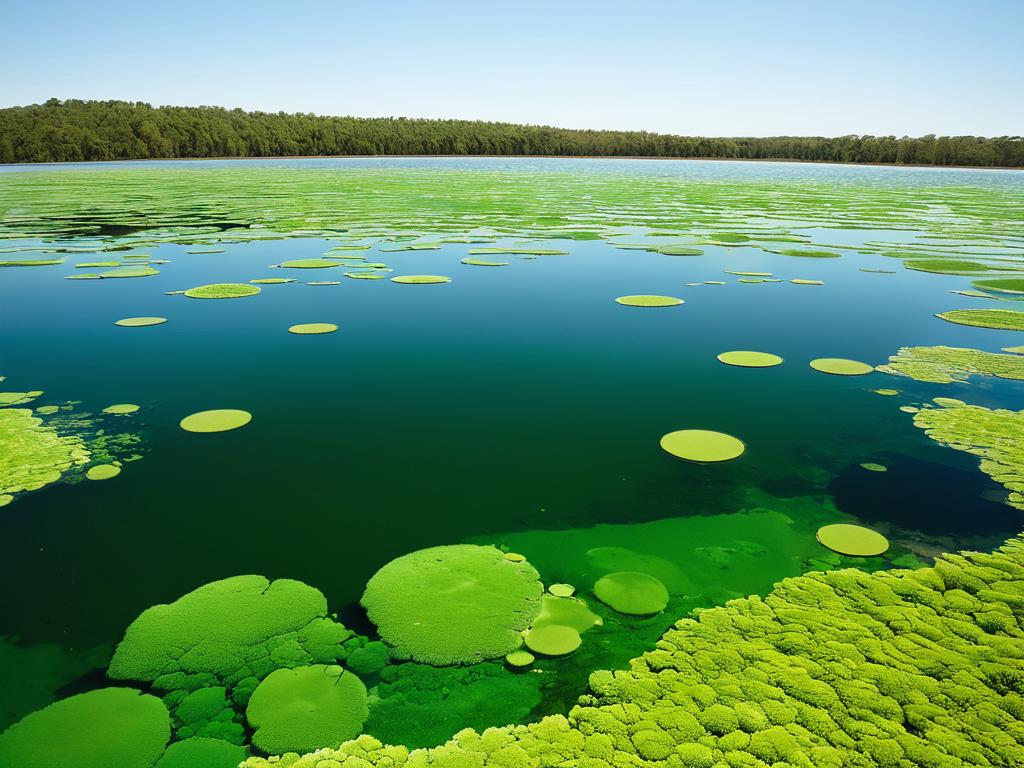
(799, 281)
(520, 658)
(553, 640)
(873, 467)
(222, 291)
(886, 392)
(420, 279)
(140, 322)
(838, 366)
(309, 264)
(852, 540)
(632, 592)
(305, 329)
(121, 408)
(220, 420)
(745, 359)
(103, 472)
(644, 300)
(562, 590)
(702, 445)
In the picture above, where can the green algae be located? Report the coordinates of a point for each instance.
(34, 454)
(140, 322)
(1000, 319)
(99, 729)
(121, 409)
(944, 365)
(647, 300)
(747, 359)
(200, 752)
(222, 291)
(309, 264)
(454, 604)
(702, 445)
(853, 540)
(307, 329)
(552, 640)
(272, 280)
(31, 262)
(483, 262)
(129, 271)
(420, 279)
(218, 420)
(520, 658)
(1001, 285)
(103, 472)
(838, 366)
(632, 592)
(295, 710)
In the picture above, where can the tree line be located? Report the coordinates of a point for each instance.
(75, 130)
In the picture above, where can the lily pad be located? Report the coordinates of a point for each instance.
(632, 592)
(304, 329)
(140, 322)
(309, 264)
(647, 300)
(552, 640)
(798, 281)
(853, 540)
(219, 420)
(873, 467)
(746, 359)
(519, 658)
(1001, 319)
(272, 280)
(130, 271)
(702, 445)
(838, 366)
(561, 590)
(420, 279)
(103, 472)
(222, 291)
(121, 408)
(483, 262)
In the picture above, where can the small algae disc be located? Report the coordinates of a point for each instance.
(702, 445)
(220, 420)
(852, 540)
(632, 592)
(553, 640)
(886, 392)
(420, 279)
(514, 557)
(645, 300)
(838, 366)
(139, 322)
(562, 590)
(309, 264)
(798, 281)
(121, 408)
(519, 658)
(103, 472)
(1014, 350)
(745, 359)
(483, 262)
(324, 282)
(222, 291)
(272, 280)
(873, 467)
(305, 329)
(909, 408)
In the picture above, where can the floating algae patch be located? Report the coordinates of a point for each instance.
(944, 365)
(852, 540)
(799, 281)
(807, 254)
(99, 729)
(307, 329)
(309, 264)
(702, 445)
(366, 275)
(201, 752)
(324, 282)
(272, 280)
(838, 366)
(1000, 319)
(237, 631)
(648, 300)
(31, 262)
(552, 640)
(678, 250)
(517, 251)
(295, 710)
(632, 592)
(222, 291)
(950, 266)
(103, 472)
(130, 271)
(483, 262)
(886, 392)
(420, 279)
(453, 604)
(217, 420)
(418, 705)
(204, 250)
(561, 590)
(97, 264)
(140, 322)
(748, 274)
(33, 454)
(996, 436)
(1001, 285)
(874, 467)
(1014, 350)
(747, 359)
(18, 398)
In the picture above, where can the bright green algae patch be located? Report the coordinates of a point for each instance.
(32, 454)
(632, 592)
(900, 668)
(996, 436)
(140, 322)
(702, 445)
(222, 291)
(200, 752)
(1001, 319)
(645, 300)
(295, 710)
(454, 604)
(838, 366)
(217, 420)
(854, 540)
(107, 728)
(747, 359)
(944, 365)
(1001, 285)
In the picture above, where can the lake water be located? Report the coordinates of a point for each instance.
(509, 406)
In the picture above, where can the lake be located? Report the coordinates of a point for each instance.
(516, 405)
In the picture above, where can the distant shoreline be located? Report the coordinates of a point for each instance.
(531, 157)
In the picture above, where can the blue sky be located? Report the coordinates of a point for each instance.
(713, 68)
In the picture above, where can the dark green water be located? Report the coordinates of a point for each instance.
(513, 399)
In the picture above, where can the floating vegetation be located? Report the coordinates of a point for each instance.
(997, 436)
(646, 300)
(520, 658)
(420, 279)
(798, 281)
(121, 408)
(747, 359)
(309, 264)
(949, 266)
(679, 250)
(561, 590)
(103, 472)
(272, 280)
(552, 640)
(1000, 319)
(873, 467)
(702, 445)
(455, 604)
(324, 282)
(748, 274)
(886, 392)
(33, 454)
(100, 729)
(140, 322)
(1001, 285)
(31, 262)
(130, 271)
(878, 271)
(219, 420)
(944, 365)
(200, 752)
(222, 291)
(632, 592)
(808, 254)
(518, 251)
(852, 540)
(483, 263)
(97, 264)
(366, 275)
(305, 329)
(1014, 350)
(205, 250)
(295, 710)
(838, 366)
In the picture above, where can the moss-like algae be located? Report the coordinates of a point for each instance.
(943, 365)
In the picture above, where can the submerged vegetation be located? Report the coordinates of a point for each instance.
(62, 131)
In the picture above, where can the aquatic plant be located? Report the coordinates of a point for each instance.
(222, 291)
(33, 454)
(140, 322)
(854, 540)
(306, 708)
(200, 752)
(454, 604)
(217, 420)
(893, 668)
(103, 472)
(206, 712)
(747, 359)
(420, 279)
(100, 729)
(309, 263)
(230, 633)
(632, 592)
(943, 365)
(308, 329)
(1001, 319)
(649, 301)
(552, 640)
(838, 366)
(702, 445)
(1001, 284)
(483, 262)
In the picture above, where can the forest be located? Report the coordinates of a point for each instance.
(75, 130)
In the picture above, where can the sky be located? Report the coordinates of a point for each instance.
(718, 67)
